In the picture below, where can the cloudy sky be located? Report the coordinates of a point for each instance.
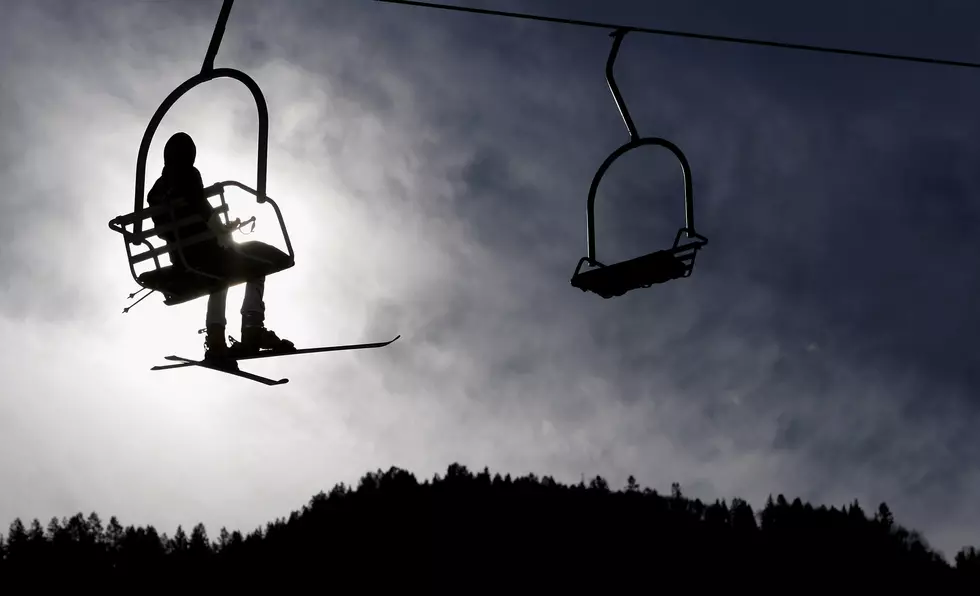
(432, 168)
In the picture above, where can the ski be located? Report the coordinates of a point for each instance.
(202, 364)
(273, 353)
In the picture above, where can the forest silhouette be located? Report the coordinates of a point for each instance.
(467, 532)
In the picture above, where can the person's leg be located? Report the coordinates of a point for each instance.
(217, 302)
(215, 347)
(253, 307)
(255, 336)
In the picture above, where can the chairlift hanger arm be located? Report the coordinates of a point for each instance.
(618, 36)
(635, 141)
(216, 36)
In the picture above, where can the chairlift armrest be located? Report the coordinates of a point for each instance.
(241, 186)
(131, 218)
(214, 190)
(218, 188)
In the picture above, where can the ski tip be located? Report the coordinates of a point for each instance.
(396, 338)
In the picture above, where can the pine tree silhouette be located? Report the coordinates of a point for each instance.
(465, 532)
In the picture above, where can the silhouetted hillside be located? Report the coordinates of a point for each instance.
(466, 533)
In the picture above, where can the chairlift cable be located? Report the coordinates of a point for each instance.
(686, 34)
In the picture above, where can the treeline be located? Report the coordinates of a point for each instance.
(466, 532)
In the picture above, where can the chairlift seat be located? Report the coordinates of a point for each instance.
(250, 260)
(609, 281)
(176, 282)
(198, 266)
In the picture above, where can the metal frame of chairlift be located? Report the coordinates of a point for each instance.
(641, 272)
(138, 236)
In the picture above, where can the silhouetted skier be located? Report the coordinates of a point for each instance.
(218, 256)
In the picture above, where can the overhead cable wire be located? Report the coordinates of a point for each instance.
(685, 34)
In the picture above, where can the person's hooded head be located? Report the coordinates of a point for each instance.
(179, 152)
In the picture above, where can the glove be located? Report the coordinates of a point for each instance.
(223, 232)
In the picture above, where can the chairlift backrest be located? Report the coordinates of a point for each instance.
(137, 236)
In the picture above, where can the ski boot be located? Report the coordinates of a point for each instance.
(216, 351)
(256, 337)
